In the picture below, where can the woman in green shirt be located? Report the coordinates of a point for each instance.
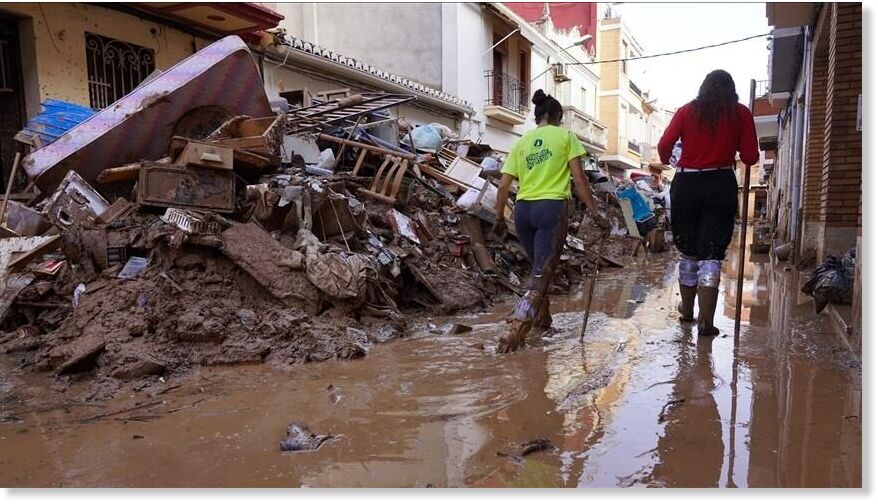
(543, 161)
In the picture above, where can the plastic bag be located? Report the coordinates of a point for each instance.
(832, 281)
(468, 199)
(429, 137)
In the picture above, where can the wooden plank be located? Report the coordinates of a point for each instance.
(119, 174)
(359, 163)
(360, 145)
(397, 181)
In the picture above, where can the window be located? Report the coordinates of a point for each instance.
(506, 88)
(115, 68)
(583, 99)
(624, 55)
(523, 68)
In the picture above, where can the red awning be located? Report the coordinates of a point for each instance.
(217, 18)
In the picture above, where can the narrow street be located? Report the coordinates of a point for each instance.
(644, 402)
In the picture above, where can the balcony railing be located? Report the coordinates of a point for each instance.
(762, 88)
(634, 88)
(586, 127)
(506, 91)
(634, 146)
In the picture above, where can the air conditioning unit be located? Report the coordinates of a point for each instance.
(560, 72)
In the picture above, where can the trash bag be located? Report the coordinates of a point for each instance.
(428, 138)
(832, 281)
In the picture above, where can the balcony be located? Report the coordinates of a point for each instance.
(507, 98)
(592, 132)
(635, 89)
(634, 146)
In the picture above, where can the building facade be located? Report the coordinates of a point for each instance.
(489, 55)
(815, 181)
(634, 121)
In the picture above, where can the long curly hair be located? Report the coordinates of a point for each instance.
(716, 99)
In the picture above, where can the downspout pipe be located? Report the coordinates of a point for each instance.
(799, 152)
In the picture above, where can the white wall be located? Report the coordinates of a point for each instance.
(283, 78)
(402, 38)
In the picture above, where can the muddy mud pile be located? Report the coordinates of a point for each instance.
(179, 234)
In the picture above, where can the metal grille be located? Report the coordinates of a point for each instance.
(506, 91)
(634, 146)
(115, 68)
(634, 88)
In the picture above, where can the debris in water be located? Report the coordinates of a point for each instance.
(299, 438)
(527, 448)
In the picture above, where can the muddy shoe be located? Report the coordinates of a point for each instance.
(514, 339)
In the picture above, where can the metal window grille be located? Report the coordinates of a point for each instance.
(634, 88)
(634, 146)
(115, 68)
(507, 92)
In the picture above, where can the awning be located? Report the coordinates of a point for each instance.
(217, 18)
(787, 47)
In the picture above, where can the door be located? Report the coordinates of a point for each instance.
(11, 94)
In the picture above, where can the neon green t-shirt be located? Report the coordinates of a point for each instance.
(539, 161)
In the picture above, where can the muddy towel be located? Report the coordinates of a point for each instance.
(338, 275)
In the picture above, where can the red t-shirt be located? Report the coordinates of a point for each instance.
(703, 149)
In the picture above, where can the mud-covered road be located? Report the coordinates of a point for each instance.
(644, 402)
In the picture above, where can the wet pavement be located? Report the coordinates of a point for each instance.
(643, 402)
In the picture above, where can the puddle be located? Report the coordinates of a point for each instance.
(644, 402)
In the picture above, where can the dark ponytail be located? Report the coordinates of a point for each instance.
(545, 106)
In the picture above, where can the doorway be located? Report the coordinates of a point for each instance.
(12, 112)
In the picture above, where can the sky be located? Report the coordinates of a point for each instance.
(664, 27)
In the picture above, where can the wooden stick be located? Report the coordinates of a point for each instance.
(594, 280)
(742, 251)
(12, 175)
(351, 143)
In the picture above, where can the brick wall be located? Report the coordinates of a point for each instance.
(812, 182)
(842, 152)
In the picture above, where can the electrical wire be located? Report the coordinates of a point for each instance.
(48, 29)
(656, 55)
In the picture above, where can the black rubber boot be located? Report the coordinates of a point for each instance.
(707, 297)
(686, 306)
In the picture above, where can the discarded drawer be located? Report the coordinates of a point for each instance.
(167, 186)
(75, 202)
(263, 135)
(25, 221)
(206, 155)
(190, 223)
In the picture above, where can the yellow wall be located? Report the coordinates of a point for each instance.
(609, 50)
(609, 113)
(55, 33)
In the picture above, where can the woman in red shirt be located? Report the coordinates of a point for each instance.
(713, 128)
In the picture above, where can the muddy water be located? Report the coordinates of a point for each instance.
(644, 402)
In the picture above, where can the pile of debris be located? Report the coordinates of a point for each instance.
(165, 232)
